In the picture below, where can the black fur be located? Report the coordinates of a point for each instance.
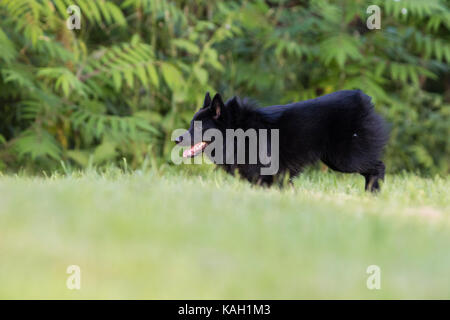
(341, 129)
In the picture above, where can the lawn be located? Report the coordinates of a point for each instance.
(167, 235)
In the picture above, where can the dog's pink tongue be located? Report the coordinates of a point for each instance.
(193, 150)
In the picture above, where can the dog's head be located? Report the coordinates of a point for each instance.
(208, 117)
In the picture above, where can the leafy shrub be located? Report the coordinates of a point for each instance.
(138, 69)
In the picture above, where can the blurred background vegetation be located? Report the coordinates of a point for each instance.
(138, 69)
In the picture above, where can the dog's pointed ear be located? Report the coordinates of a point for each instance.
(217, 106)
(207, 101)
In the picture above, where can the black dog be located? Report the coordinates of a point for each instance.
(341, 129)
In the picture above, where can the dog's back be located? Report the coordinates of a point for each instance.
(341, 129)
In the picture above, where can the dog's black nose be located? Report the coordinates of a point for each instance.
(179, 139)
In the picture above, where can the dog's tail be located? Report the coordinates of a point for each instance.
(372, 130)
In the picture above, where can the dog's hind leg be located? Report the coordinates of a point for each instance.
(265, 181)
(284, 180)
(373, 176)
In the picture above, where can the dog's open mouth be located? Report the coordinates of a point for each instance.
(194, 150)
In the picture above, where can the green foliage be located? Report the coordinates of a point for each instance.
(138, 69)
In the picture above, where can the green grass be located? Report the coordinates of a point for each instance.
(206, 235)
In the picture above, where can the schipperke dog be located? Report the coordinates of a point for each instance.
(341, 129)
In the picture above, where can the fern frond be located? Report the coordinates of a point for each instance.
(123, 64)
(339, 48)
(26, 15)
(18, 75)
(418, 8)
(99, 125)
(37, 143)
(9, 52)
(64, 81)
